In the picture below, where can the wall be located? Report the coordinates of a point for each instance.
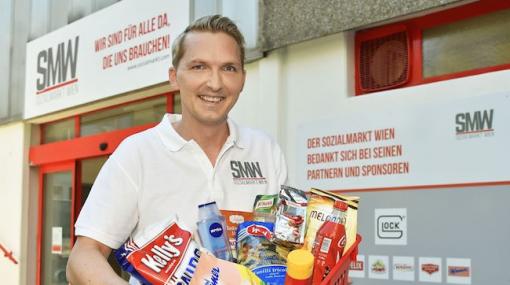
(287, 22)
(12, 172)
(313, 82)
(295, 84)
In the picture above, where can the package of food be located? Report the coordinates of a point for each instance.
(264, 208)
(320, 207)
(290, 217)
(233, 220)
(256, 251)
(163, 254)
(211, 270)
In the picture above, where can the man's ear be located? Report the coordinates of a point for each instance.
(172, 77)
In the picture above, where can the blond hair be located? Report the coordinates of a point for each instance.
(213, 24)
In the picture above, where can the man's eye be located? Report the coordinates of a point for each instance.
(230, 68)
(198, 67)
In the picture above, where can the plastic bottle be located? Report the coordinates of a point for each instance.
(299, 267)
(329, 242)
(212, 230)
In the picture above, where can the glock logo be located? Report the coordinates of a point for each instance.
(389, 226)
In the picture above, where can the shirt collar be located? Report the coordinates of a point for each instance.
(174, 142)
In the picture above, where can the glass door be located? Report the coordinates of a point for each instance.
(56, 231)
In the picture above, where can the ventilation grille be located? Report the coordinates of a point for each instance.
(384, 62)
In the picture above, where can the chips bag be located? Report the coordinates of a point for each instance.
(163, 254)
(320, 207)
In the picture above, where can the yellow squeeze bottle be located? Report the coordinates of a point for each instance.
(299, 267)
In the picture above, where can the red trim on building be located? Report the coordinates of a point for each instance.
(415, 27)
(80, 148)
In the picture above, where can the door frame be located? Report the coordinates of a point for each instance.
(43, 170)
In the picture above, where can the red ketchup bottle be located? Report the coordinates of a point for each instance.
(329, 242)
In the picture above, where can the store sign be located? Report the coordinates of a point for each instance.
(124, 47)
(421, 143)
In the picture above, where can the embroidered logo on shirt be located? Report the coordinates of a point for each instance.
(247, 172)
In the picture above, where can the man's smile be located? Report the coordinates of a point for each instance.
(211, 99)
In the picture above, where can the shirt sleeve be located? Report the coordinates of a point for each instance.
(110, 212)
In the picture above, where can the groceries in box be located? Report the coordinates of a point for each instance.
(319, 222)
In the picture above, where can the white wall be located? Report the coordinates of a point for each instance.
(292, 85)
(12, 166)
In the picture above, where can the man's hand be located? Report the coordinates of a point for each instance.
(88, 264)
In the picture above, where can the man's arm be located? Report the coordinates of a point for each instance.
(88, 264)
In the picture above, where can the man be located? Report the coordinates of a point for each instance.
(167, 171)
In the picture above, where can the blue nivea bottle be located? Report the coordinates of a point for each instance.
(212, 230)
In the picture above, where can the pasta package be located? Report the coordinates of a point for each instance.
(319, 209)
(256, 251)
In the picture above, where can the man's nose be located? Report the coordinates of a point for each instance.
(215, 82)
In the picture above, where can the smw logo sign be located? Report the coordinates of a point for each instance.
(247, 172)
(474, 124)
(56, 69)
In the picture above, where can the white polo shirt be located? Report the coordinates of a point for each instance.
(156, 174)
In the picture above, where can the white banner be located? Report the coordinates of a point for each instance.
(124, 47)
(460, 141)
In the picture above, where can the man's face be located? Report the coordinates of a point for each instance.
(210, 77)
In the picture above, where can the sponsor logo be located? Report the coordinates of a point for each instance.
(474, 124)
(56, 67)
(430, 268)
(247, 172)
(461, 271)
(378, 267)
(389, 226)
(402, 267)
(257, 230)
(216, 230)
(356, 265)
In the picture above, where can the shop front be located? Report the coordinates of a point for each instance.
(88, 86)
(70, 155)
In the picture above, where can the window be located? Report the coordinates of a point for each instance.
(449, 48)
(123, 117)
(462, 41)
(59, 131)
(110, 119)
